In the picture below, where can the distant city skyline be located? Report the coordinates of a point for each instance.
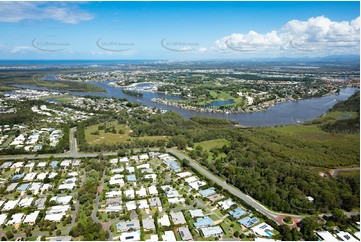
(178, 30)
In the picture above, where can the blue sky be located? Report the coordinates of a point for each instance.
(177, 30)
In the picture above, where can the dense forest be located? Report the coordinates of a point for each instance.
(348, 125)
(352, 104)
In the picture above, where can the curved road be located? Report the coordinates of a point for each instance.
(235, 191)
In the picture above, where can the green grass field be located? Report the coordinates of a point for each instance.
(60, 98)
(114, 138)
(215, 143)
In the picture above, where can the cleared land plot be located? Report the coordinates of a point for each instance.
(113, 138)
(214, 143)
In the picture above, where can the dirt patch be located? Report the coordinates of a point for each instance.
(94, 141)
(100, 189)
(106, 225)
(280, 221)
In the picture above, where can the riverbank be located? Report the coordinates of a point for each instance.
(215, 109)
(287, 113)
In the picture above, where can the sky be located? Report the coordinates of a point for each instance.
(178, 30)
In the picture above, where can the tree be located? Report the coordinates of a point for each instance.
(28, 232)
(285, 231)
(58, 232)
(308, 226)
(162, 149)
(9, 234)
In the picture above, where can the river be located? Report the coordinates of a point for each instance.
(281, 114)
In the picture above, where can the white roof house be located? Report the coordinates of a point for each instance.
(212, 231)
(17, 165)
(6, 164)
(142, 192)
(197, 184)
(196, 213)
(130, 236)
(30, 176)
(131, 205)
(3, 217)
(11, 187)
(114, 208)
(326, 236)
(30, 164)
(56, 213)
(143, 157)
(178, 217)
(52, 175)
(142, 204)
(117, 170)
(176, 200)
(357, 234)
(76, 162)
(345, 236)
(61, 200)
(16, 218)
(35, 186)
(66, 186)
(113, 194)
(153, 237)
(26, 202)
(116, 179)
(134, 157)
(113, 161)
(42, 164)
(131, 169)
(65, 163)
(170, 191)
(153, 190)
(10, 204)
(54, 217)
(164, 220)
(263, 229)
(129, 193)
(143, 166)
(150, 176)
(31, 218)
(45, 187)
(123, 159)
(184, 174)
(168, 236)
(41, 176)
(72, 174)
(226, 204)
(191, 179)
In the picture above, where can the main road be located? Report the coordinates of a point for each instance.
(73, 153)
(235, 191)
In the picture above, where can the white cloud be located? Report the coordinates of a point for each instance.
(63, 12)
(20, 48)
(318, 34)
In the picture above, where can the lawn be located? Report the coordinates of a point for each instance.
(60, 98)
(113, 138)
(215, 143)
